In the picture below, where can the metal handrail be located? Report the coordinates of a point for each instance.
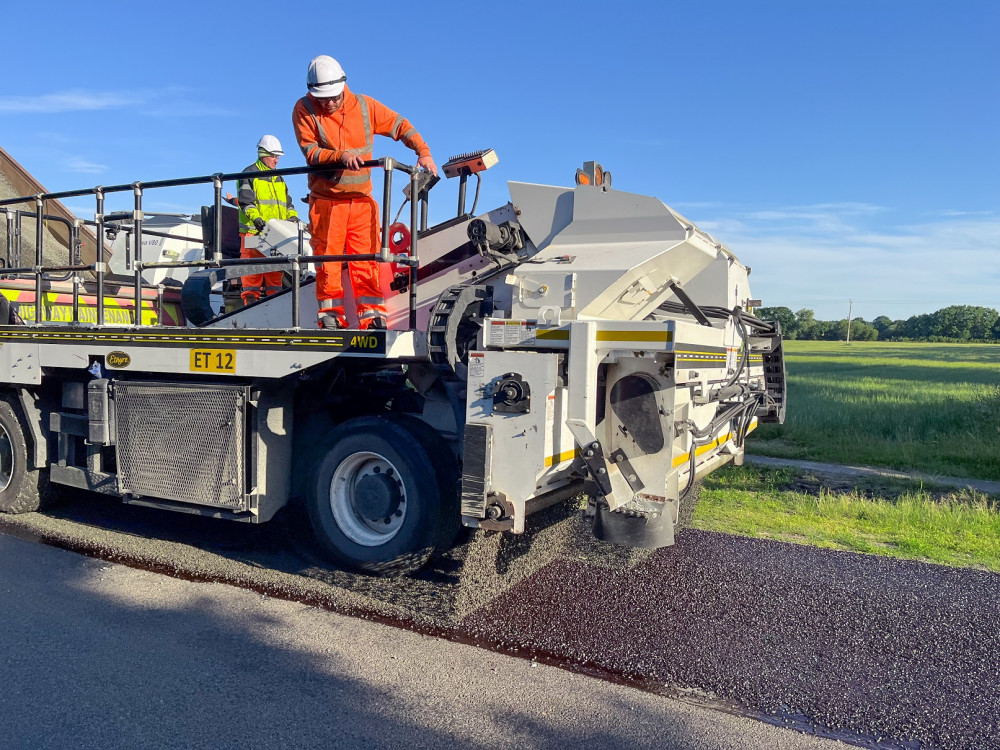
(388, 164)
(14, 237)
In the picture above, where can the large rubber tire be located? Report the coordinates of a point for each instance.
(22, 488)
(375, 467)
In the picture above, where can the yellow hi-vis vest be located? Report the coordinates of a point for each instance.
(263, 198)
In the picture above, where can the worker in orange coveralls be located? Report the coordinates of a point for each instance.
(335, 126)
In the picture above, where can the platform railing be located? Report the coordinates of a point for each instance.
(294, 263)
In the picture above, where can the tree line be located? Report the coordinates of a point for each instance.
(954, 323)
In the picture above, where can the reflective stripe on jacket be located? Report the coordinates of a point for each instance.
(263, 198)
(325, 139)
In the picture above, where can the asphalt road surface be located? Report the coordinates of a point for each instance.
(99, 655)
(879, 652)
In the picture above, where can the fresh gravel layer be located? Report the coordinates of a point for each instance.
(883, 648)
(281, 558)
(902, 654)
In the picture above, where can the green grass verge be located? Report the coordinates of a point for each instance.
(880, 516)
(933, 408)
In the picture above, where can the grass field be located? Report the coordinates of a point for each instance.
(933, 408)
(874, 516)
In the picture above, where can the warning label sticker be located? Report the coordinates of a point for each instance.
(512, 332)
(477, 365)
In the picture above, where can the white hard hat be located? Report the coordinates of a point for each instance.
(325, 78)
(270, 144)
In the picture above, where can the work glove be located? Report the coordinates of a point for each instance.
(259, 224)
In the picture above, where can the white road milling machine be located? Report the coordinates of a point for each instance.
(575, 338)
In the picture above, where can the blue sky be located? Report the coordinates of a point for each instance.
(843, 150)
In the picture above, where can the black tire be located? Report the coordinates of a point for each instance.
(22, 488)
(378, 468)
(448, 477)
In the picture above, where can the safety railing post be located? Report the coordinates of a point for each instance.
(295, 293)
(413, 250)
(296, 271)
(10, 239)
(137, 230)
(217, 228)
(75, 260)
(99, 218)
(39, 260)
(19, 240)
(388, 164)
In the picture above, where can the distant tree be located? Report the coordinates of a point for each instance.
(983, 321)
(835, 330)
(862, 330)
(953, 323)
(893, 332)
(963, 322)
(917, 327)
(881, 323)
(805, 322)
(783, 315)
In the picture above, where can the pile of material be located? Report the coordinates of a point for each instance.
(15, 181)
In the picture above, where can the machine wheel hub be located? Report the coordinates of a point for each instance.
(377, 496)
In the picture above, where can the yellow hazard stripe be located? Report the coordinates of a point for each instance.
(661, 336)
(553, 334)
(561, 334)
(567, 455)
(694, 352)
(684, 457)
(560, 457)
(179, 336)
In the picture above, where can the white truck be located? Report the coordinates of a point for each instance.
(574, 337)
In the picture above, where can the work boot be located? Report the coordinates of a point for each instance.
(377, 323)
(330, 321)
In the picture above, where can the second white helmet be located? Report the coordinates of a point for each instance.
(270, 144)
(325, 77)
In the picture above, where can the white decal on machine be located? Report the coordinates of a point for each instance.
(477, 365)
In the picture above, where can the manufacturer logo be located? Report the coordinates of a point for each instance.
(118, 360)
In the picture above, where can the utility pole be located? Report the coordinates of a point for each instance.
(850, 309)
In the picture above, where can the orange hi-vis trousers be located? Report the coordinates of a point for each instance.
(257, 285)
(351, 226)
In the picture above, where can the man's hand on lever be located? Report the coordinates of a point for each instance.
(427, 162)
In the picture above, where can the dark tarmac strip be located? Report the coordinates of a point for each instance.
(888, 649)
(878, 652)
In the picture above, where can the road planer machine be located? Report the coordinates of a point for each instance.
(573, 340)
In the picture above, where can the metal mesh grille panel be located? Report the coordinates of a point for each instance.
(183, 443)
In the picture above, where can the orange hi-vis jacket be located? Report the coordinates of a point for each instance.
(325, 139)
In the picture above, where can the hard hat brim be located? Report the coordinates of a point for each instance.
(327, 89)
